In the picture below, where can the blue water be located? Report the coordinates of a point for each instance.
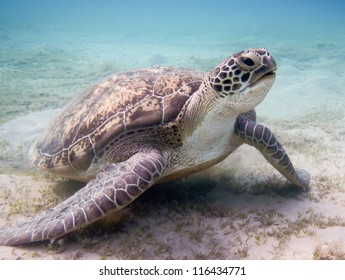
(173, 22)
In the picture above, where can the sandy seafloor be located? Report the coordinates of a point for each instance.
(239, 209)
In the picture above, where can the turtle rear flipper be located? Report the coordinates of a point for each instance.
(259, 136)
(114, 188)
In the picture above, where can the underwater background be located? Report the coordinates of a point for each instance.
(51, 50)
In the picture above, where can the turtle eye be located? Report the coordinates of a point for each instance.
(248, 61)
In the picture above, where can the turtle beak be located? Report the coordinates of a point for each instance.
(267, 68)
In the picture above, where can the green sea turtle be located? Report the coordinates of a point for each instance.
(137, 128)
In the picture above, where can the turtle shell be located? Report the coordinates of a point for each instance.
(118, 105)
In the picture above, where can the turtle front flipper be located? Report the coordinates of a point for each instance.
(263, 139)
(114, 188)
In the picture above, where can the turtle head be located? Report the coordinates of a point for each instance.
(244, 79)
